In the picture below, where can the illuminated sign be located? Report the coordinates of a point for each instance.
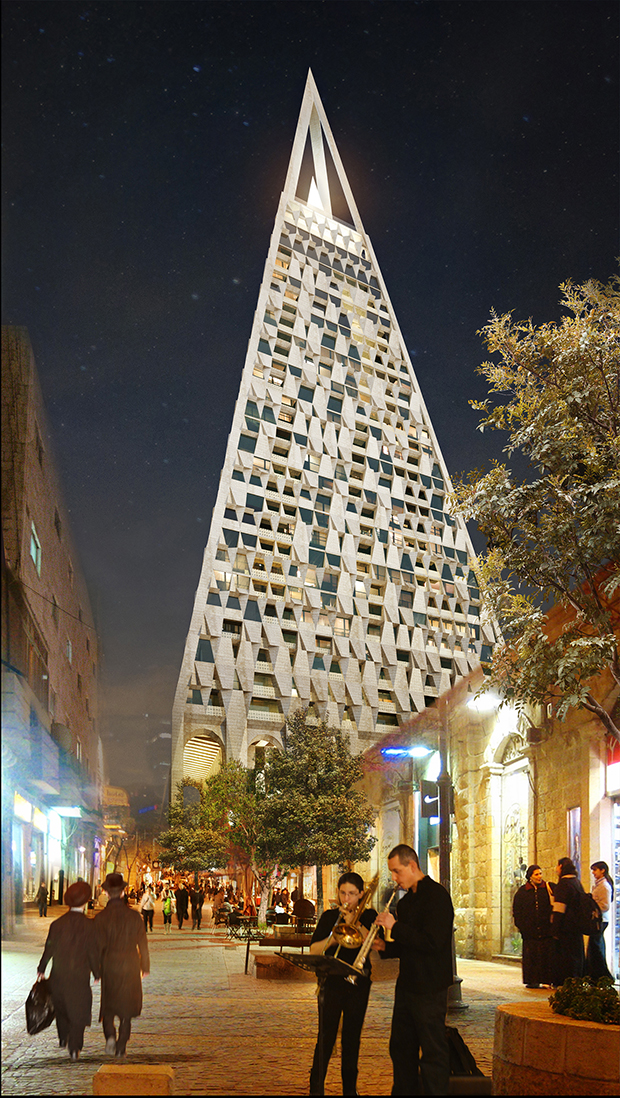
(39, 820)
(64, 810)
(22, 808)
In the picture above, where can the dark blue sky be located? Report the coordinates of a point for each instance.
(145, 146)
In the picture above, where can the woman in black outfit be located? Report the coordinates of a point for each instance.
(341, 997)
(569, 953)
(531, 911)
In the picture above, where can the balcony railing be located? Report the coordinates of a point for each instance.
(261, 691)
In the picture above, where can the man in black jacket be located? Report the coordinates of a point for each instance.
(422, 938)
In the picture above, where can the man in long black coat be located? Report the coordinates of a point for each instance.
(71, 947)
(124, 957)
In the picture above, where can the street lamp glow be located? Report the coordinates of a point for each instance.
(484, 703)
(411, 752)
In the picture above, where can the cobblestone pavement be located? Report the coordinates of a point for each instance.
(224, 1032)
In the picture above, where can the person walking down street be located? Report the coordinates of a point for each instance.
(167, 911)
(72, 949)
(569, 957)
(124, 959)
(147, 908)
(41, 900)
(197, 898)
(422, 938)
(603, 893)
(531, 911)
(181, 896)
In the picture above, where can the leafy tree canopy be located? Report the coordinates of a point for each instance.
(553, 537)
(311, 805)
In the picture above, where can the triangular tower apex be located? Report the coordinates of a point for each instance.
(313, 121)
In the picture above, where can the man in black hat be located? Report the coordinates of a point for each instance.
(72, 949)
(124, 957)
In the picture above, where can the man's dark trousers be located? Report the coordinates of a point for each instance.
(124, 1031)
(419, 1030)
(68, 1033)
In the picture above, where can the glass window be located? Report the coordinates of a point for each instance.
(35, 548)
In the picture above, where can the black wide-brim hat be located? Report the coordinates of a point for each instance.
(78, 894)
(114, 880)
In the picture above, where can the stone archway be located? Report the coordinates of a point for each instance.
(202, 756)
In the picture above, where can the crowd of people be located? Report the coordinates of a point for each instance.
(113, 947)
(548, 918)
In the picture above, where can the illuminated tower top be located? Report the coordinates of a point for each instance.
(334, 575)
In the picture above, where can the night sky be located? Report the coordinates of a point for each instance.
(145, 148)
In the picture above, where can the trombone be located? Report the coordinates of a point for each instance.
(360, 960)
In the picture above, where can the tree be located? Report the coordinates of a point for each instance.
(553, 537)
(193, 840)
(222, 826)
(312, 813)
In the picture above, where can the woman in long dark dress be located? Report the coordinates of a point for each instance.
(531, 911)
(569, 952)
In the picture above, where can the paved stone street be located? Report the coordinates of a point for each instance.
(224, 1032)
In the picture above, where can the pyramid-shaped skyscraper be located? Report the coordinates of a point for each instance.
(334, 575)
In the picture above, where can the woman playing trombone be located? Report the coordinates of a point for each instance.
(347, 923)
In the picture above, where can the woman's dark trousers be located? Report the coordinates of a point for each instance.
(350, 1001)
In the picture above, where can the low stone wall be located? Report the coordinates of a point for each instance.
(539, 1052)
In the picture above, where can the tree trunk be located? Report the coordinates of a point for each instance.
(265, 890)
(319, 891)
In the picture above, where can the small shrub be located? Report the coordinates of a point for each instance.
(588, 1002)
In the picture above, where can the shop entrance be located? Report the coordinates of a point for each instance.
(514, 839)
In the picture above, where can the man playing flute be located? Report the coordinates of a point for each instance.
(422, 938)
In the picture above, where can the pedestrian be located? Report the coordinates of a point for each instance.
(569, 957)
(422, 938)
(167, 910)
(41, 900)
(339, 997)
(531, 911)
(603, 893)
(72, 949)
(181, 896)
(197, 898)
(124, 958)
(147, 908)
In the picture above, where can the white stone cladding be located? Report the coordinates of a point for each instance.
(334, 574)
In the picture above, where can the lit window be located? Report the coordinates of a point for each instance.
(35, 548)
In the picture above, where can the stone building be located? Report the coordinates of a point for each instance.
(334, 575)
(527, 789)
(51, 749)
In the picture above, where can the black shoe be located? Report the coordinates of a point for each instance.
(62, 1044)
(74, 1056)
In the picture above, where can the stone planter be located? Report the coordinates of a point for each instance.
(539, 1052)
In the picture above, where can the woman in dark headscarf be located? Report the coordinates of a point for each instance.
(569, 953)
(531, 911)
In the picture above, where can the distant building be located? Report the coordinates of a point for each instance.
(51, 749)
(334, 575)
